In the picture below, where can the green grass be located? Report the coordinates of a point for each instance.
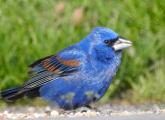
(31, 29)
(151, 86)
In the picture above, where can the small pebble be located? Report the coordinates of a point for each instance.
(54, 113)
(156, 109)
(31, 109)
(162, 111)
(48, 110)
(78, 114)
(91, 113)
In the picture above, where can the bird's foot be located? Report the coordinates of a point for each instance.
(87, 108)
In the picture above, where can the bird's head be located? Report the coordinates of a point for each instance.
(105, 43)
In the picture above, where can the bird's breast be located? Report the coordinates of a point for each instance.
(97, 72)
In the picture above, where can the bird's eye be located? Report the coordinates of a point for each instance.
(106, 41)
(109, 42)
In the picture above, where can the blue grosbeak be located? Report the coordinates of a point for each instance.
(76, 76)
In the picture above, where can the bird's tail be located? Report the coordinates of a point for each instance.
(11, 95)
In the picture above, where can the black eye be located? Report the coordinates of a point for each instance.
(109, 42)
(106, 41)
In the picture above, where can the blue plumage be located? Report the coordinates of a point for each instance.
(79, 74)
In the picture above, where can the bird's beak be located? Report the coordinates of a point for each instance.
(121, 43)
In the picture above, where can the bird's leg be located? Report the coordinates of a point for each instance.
(92, 108)
(87, 108)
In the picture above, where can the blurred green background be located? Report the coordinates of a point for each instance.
(32, 29)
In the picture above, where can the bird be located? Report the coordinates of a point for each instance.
(77, 75)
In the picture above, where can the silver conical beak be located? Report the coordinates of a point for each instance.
(121, 44)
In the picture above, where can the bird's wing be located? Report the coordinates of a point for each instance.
(49, 68)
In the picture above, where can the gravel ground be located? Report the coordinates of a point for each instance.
(116, 112)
